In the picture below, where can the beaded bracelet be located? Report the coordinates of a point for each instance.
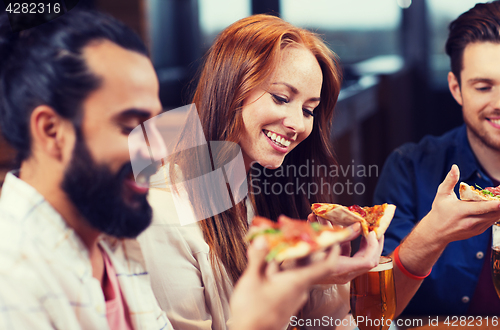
(404, 270)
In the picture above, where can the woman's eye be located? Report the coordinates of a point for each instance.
(308, 113)
(278, 99)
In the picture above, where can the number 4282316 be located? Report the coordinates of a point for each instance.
(471, 321)
(33, 8)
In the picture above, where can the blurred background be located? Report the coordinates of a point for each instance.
(395, 87)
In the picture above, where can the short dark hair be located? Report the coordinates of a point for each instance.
(44, 65)
(480, 24)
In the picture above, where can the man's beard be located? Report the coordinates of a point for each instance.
(482, 136)
(98, 195)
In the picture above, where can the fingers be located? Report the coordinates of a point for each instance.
(312, 217)
(446, 187)
(381, 245)
(370, 249)
(272, 268)
(482, 207)
(257, 252)
(319, 269)
(355, 231)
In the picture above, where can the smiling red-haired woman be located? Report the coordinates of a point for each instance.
(270, 88)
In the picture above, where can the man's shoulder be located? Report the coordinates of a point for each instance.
(18, 256)
(433, 146)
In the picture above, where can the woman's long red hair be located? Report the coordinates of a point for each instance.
(242, 58)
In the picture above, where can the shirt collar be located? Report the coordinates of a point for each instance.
(18, 197)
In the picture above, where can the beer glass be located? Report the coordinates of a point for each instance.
(495, 256)
(373, 297)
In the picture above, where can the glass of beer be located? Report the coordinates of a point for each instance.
(495, 256)
(373, 297)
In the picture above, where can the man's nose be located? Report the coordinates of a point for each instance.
(157, 148)
(146, 146)
(496, 100)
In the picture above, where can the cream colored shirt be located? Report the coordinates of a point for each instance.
(46, 277)
(183, 280)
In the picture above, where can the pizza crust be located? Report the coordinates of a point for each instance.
(385, 221)
(468, 193)
(337, 214)
(272, 232)
(302, 249)
(299, 250)
(341, 215)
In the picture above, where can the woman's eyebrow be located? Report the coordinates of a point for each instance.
(292, 88)
(296, 91)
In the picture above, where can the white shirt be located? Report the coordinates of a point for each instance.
(46, 277)
(185, 284)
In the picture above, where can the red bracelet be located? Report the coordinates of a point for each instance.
(404, 270)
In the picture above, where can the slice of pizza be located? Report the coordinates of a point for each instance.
(372, 218)
(469, 193)
(292, 239)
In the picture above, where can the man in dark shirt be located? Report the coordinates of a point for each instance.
(452, 236)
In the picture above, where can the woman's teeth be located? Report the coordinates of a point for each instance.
(278, 140)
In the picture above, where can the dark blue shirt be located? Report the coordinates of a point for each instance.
(409, 179)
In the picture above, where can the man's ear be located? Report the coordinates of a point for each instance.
(455, 89)
(51, 133)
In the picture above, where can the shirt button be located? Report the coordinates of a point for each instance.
(465, 299)
(479, 175)
(480, 255)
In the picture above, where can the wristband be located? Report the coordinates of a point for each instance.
(404, 270)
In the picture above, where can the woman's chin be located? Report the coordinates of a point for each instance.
(271, 165)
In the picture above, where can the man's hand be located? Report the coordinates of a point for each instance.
(266, 297)
(451, 219)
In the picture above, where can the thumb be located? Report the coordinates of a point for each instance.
(446, 187)
(257, 252)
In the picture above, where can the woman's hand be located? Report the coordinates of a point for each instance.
(347, 267)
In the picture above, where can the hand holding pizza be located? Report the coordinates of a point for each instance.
(266, 296)
(347, 267)
(451, 219)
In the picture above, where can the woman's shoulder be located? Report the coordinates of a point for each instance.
(162, 198)
(171, 223)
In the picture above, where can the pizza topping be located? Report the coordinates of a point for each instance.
(374, 214)
(370, 214)
(289, 238)
(492, 191)
(375, 218)
(358, 209)
(294, 231)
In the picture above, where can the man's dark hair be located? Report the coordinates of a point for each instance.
(479, 24)
(44, 65)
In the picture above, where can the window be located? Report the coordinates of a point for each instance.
(441, 13)
(216, 15)
(355, 30)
